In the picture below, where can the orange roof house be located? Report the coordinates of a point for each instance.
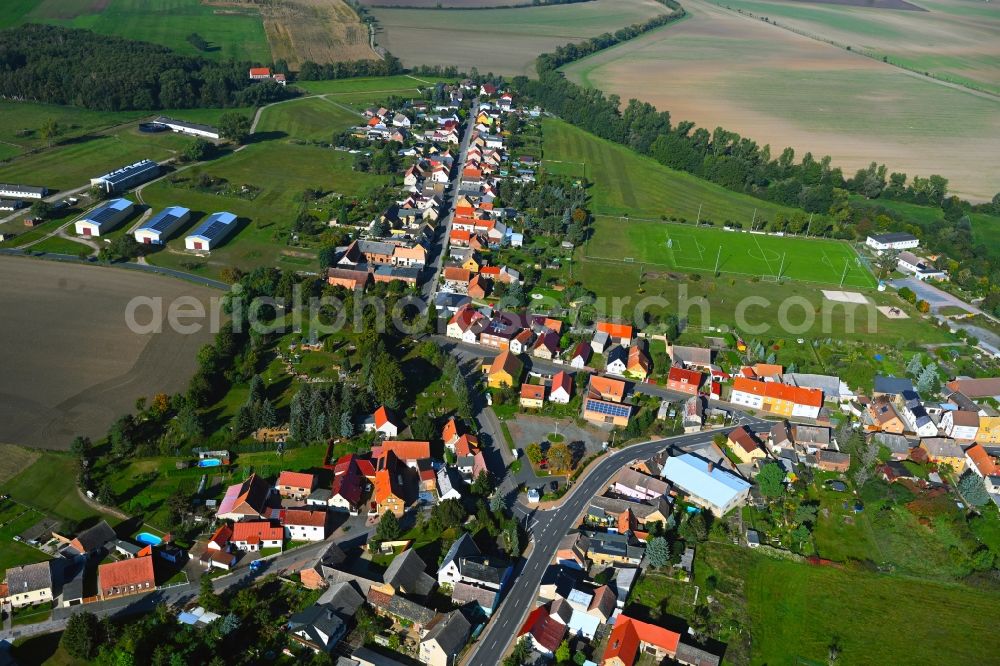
(260, 72)
(744, 444)
(629, 635)
(295, 485)
(505, 370)
(406, 451)
(244, 500)
(638, 364)
(449, 434)
(253, 533)
(685, 381)
(532, 396)
(125, 577)
(389, 494)
(980, 461)
(606, 388)
(220, 538)
(617, 332)
(777, 398)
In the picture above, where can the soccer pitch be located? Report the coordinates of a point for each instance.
(694, 249)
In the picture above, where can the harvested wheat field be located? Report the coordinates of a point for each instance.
(69, 365)
(718, 68)
(957, 40)
(322, 31)
(503, 41)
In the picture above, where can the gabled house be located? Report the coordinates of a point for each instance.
(295, 485)
(408, 452)
(125, 577)
(883, 417)
(406, 574)
(617, 361)
(604, 402)
(390, 490)
(981, 462)
(685, 381)
(620, 334)
(694, 414)
(638, 486)
(532, 396)
(961, 425)
(94, 539)
(638, 364)
(247, 500)
(690, 357)
(504, 370)
(305, 524)
(581, 355)
(319, 628)
(255, 535)
(522, 342)
(544, 631)
(744, 444)
(449, 484)
(944, 452)
(28, 584)
(777, 398)
(630, 637)
(445, 639)
(561, 390)
(384, 423)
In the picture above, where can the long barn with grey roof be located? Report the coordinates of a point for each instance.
(159, 227)
(215, 229)
(104, 218)
(22, 191)
(192, 129)
(121, 179)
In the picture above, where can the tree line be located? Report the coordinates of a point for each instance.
(741, 165)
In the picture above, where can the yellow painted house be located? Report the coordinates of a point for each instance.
(989, 430)
(505, 370)
(472, 264)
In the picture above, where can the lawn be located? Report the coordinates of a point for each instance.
(715, 302)
(791, 612)
(704, 249)
(73, 165)
(263, 238)
(14, 519)
(232, 33)
(49, 484)
(59, 245)
(402, 83)
(313, 119)
(627, 183)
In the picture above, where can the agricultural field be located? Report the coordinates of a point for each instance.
(298, 30)
(232, 32)
(718, 68)
(503, 41)
(692, 249)
(63, 380)
(951, 39)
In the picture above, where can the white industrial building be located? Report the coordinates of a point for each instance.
(215, 229)
(22, 191)
(159, 227)
(124, 178)
(104, 218)
(191, 129)
(896, 240)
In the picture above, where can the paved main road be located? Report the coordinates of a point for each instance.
(440, 246)
(547, 528)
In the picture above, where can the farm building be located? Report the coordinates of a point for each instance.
(157, 228)
(191, 129)
(124, 178)
(892, 241)
(11, 204)
(211, 232)
(22, 191)
(104, 218)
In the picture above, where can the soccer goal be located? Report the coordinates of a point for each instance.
(628, 260)
(768, 278)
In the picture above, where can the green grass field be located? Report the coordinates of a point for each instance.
(59, 245)
(232, 33)
(694, 249)
(626, 183)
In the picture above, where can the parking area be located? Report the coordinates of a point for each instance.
(525, 429)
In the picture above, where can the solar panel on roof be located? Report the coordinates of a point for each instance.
(607, 408)
(165, 219)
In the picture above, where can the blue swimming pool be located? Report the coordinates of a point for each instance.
(148, 539)
(209, 462)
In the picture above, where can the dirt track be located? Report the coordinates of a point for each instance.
(69, 365)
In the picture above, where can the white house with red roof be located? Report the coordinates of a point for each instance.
(562, 388)
(305, 524)
(255, 535)
(295, 485)
(383, 422)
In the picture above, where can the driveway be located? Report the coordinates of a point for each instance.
(527, 428)
(934, 296)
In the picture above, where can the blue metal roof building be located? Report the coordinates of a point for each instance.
(104, 218)
(705, 483)
(157, 228)
(211, 232)
(124, 178)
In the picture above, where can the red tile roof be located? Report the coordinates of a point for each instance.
(744, 438)
(982, 460)
(255, 531)
(629, 633)
(465, 445)
(547, 631)
(533, 392)
(308, 517)
(450, 430)
(381, 416)
(123, 573)
(682, 376)
(222, 536)
(407, 450)
(623, 331)
(794, 394)
(260, 71)
(564, 381)
(607, 388)
(296, 479)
